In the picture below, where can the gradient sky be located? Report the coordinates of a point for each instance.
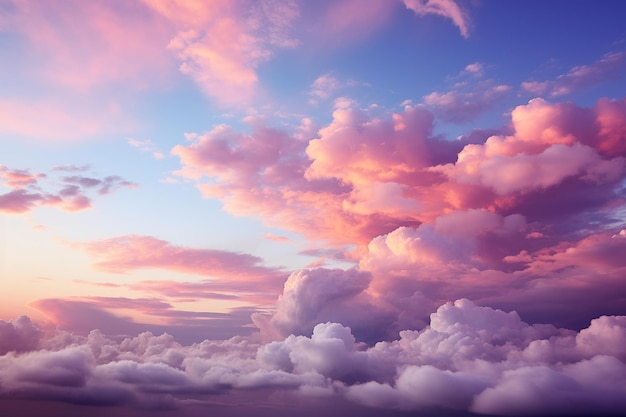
(243, 207)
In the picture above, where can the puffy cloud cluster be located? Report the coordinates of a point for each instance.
(542, 282)
(313, 296)
(363, 177)
(493, 217)
(549, 146)
(347, 186)
(470, 358)
(18, 335)
(73, 193)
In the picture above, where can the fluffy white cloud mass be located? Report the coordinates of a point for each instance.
(470, 358)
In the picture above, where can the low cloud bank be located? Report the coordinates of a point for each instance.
(470, 358)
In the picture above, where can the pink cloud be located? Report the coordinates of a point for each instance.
(361, 177)
(220, 45)
(233, 275)
(82, 45)
(263, 174)
(611, 116)
(524, 173)
(130, 252)
(351, 148)
(445, 8)
(551, 144)
(192, 291)
(277, 238)
(554, 174)
(20, 201)
(535, 87)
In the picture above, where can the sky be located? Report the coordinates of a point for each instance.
(330, 207)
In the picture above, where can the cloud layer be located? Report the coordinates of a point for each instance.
(469, 358)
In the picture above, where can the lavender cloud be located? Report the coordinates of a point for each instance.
(607, 68)
(469, 358)
(69, 193)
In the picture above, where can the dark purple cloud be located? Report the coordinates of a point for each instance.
(70, 193)
(19, 335)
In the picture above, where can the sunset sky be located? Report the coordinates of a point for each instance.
(314, 207)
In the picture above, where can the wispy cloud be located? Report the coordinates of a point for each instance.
(470, 96)
(232, 275)
(221, 44)
(445, 8)
(608, 68)
(146, 146)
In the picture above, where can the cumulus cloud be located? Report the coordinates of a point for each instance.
(18, 335)
(412, 270)
(491, 216)
(551, 143)
(269, 174)
(311, 296)
(507, 174)
(469, 358)
(361, 177)
(30, 190)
